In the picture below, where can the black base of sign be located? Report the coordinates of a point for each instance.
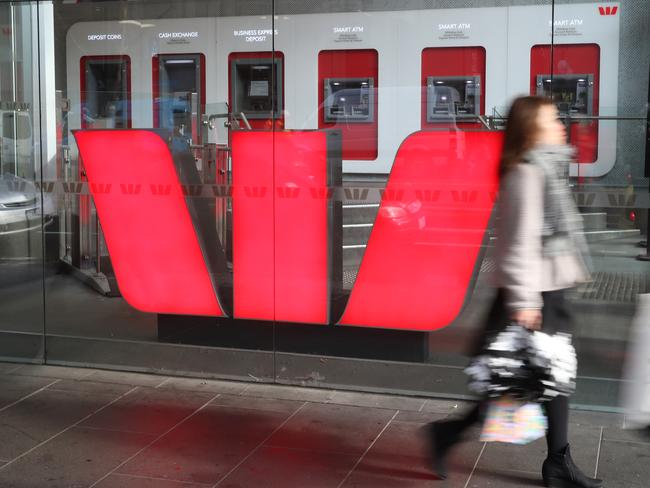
(324, 340)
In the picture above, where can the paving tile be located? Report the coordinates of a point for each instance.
(127, 481)
(624, 464)
(487, 478)
(326, 428)
(400, 458)
(13, 388)
(76, 458)
(584, 442)
(289, 393)
(126, 378)
(41, 416)
(629, 435)
(207, 446)
(258, 403)
(8, 367)
(419, 417)
(378, 401)
(276, 467)
(148, 411)
(47, 371)
(596, 419)
(207, 385)
(449, 407)
(90, 387)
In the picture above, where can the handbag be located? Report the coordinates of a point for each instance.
(526, 365)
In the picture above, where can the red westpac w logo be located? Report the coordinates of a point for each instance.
(608, 10)
(416, 269)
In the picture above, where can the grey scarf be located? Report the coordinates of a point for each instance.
(562, 221)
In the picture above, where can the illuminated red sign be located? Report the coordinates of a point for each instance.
(280, 231)
(418, 265)
(148, 229)
(417, 268)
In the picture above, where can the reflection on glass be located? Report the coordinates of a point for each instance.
(21, 215)
(17, 142)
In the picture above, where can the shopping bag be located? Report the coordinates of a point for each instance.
(526, 365)
(512, 421)
(636, 388)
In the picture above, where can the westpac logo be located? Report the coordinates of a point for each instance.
(416, 270)
(608, 10)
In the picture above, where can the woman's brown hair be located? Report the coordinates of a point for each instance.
(521, 129)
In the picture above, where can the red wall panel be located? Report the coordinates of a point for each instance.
(572, 59)
(359, 139)
(452, 61)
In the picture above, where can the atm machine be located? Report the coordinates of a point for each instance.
(256, 89)
(348, 83)
(179, 91)
(457, 97)
(572, 82)
(105, 92)
(349, 100)
(105, 104)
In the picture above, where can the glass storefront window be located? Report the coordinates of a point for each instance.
(22, 220)
(298, 193)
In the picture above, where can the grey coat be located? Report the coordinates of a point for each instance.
(530, 258)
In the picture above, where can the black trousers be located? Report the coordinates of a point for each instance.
(556, 317)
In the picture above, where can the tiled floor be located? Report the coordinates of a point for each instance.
(69, 427)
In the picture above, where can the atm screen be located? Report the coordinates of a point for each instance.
(453, 96)
(350, 99)
(571, 93)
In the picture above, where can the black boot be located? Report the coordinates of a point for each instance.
(559, 471)
(442, 435)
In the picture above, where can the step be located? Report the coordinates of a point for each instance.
(593, 221)
(352, 255)
(363, 213)
(606, 235)
(356, 233)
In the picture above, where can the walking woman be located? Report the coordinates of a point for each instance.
(540, 253)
